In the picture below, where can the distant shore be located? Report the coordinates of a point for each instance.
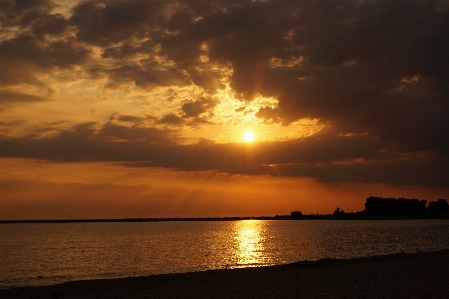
(347, 216)
(401, 275)
(283, 217)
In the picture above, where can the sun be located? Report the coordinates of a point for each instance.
(248, 136)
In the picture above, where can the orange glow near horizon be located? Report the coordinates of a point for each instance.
(33, 189)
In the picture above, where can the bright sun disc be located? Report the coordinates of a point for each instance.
(248, 136)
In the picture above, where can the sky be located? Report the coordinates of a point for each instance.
(137, 108)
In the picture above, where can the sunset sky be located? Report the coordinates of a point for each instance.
(138, 108)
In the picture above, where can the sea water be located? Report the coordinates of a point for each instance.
(43, 254)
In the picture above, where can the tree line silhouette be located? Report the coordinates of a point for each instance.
(403, 206)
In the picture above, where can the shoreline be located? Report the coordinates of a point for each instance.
(400, 275)
(349, 216)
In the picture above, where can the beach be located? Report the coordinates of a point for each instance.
(401, 275)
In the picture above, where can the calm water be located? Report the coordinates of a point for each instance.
(41, 254)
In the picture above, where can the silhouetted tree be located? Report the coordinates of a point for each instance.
(393, 206)
(373, 205)
(390, 206)
(296, 214)
(422, 207)
(411, 206)
(438, 207)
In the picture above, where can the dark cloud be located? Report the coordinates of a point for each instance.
(171, 119)
(24, 56)
(25, 48)
(86, 129)
(198, 107)
(128, 49)
(23, 12)
(129, 118)
(209, 80)
(327, 157)
(270, 115)
(9, 97)
(146, 77)
(104, 23)
(117, 132)
(52, 24)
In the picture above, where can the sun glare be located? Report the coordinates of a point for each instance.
(248, 136)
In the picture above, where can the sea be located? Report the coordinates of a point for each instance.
(33, 254)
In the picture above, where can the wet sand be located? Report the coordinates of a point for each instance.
(402, 275)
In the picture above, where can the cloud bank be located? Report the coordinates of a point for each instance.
(374, 74)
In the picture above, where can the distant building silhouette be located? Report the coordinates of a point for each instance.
(338, 212)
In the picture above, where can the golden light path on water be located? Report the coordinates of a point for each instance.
(250, 240)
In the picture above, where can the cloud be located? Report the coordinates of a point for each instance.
(26, 48)
(52, 24)
(117, 132)
(373, 73)
(269, 114)
(9, 97)
(198, 107)
(146, 77)
(326, 157)
(25, 56)
(171, 119)
(21, 13)
(111, 22)
(343, 62)
(129, 118)
(128, 49)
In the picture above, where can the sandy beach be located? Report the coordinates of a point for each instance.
(402, 275)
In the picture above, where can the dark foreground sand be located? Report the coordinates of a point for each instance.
(402, 275)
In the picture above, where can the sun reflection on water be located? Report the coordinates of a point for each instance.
(249, 240)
